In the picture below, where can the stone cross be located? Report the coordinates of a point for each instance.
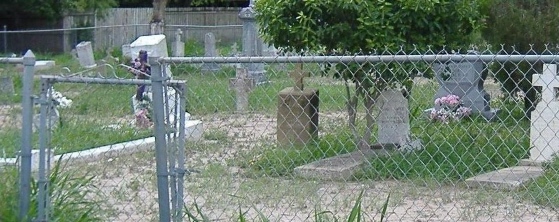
(544, 122)
(178, 45)
(298, 75)
(242, 85)
(178, 35)
(548, 81)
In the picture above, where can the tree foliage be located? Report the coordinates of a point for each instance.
(368, 26)
(524, 27)
(51, 9)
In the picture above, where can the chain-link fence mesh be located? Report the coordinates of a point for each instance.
(445, 121)
(399, 136)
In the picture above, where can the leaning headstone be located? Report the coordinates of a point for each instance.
(252, 44)
(210, 51)
(544, 128)
(394, 118)
(297, 120)
(465, 79)
(178, 44)
(242, 85)
(85, 55)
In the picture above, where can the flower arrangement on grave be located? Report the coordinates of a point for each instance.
(451, 109)
(143, 113)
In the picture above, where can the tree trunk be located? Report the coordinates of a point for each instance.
(158, 15)
(369, 102)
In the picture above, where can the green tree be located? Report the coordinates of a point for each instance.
(521, 27)
(363, 26)
(51, 9)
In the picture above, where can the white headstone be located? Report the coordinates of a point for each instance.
(85, 55)
(154, 45)
(544, 131)
(393, 120)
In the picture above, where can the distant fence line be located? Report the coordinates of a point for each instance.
(122, 26)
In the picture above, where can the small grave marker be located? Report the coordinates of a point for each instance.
(242, 85)
(544, 129)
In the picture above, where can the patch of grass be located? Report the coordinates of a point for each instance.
(215, 134)
(280, 161)
(545, 189)
(456, 151)
(77, 135)
(74, 135)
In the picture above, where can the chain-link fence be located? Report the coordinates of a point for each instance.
(286, 140)
(416, 136)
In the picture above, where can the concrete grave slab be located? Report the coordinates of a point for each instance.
(342, 167)
(506, 179)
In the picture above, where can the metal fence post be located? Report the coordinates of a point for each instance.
(180, 150)
(160, 139)
(42, 182)
(26, 135)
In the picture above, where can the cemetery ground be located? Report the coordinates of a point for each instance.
(239, 168)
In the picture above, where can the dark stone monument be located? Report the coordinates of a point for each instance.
(297, 112)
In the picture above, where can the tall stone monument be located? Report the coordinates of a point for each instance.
(297, 120)
(252, 44)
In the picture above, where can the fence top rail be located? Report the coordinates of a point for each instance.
(111, 81)
(11, 60)
(367, 58)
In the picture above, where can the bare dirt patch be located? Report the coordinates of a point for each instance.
(222, 190)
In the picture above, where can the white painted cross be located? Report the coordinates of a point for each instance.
(549, 82)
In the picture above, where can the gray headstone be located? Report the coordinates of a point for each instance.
(85, 55)
(393, 120)
(178, 44)
(252, 44)
(544, 119)
(210, 51)
(465, 79)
